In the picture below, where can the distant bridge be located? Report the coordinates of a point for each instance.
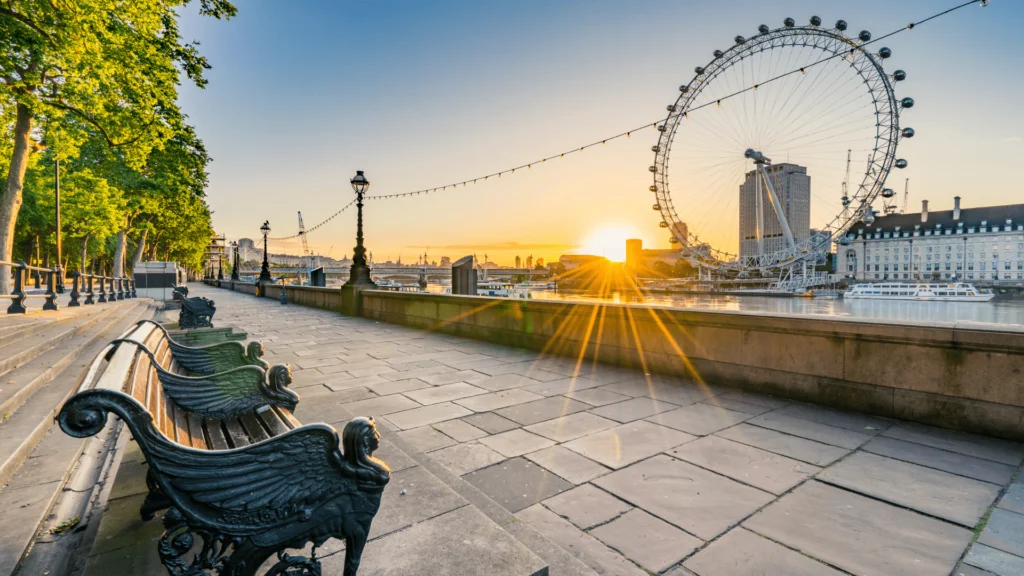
(410, 271)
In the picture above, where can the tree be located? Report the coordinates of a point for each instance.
(108, 64)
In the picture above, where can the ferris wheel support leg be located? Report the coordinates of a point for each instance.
(778, 208)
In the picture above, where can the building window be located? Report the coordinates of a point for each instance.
(1006, 265)
(982, 268)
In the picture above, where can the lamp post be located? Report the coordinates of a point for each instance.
(359, 273)
(220, 264)
(234, 261)
(265, 270)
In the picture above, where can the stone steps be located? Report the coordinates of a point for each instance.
(36, 338)
(34, 465)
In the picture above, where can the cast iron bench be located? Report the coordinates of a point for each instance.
(212, 358)
(240, 473)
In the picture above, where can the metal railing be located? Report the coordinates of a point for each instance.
(120, 288)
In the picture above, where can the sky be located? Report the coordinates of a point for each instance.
(423, 94)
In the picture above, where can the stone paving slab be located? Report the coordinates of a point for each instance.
(562, 386)
(742, 553)
(490, 422)
(787, 445)
(460, 430)
(587, 506)
(571, 427)
(517, 483)
(652, 543)
(761, 469)
(597, 396)
(628, 443)
(1013, 500)
(736, 405)
(581, 545)
(425, 497)
(1004, 451)
(380, 406)
(633, 409)
(861, 535)
(515, 442)
(994, 561)
(397, 386)
(541, 410)
(427, 415)
(426, 438)
(699, 419)
(567, 464)
(977, 468)
(700, 502)
(1004, 531)
(940, 494)
(444, 393)
(811, 430)
(497, 400)
(847, 420)
(464, 458)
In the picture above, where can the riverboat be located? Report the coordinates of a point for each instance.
(958, 292)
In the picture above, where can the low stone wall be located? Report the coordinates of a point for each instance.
(967, 377)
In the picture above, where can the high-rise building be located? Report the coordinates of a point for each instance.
(519, 261)
(529, 262)
(445, 262)
(540, 262)
(793, 188)
(634, 253)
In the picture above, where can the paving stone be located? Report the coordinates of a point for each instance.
(699, 419)
(994, 561)
(508, 368)
(398, 386)
(587, 506)
(652, 543)
(426, 438)
(597, 396)
(427, 415)
(941, 494)
(736, 405)
(970, 444)
(584, 547)
(425, 497)
(1004, 531)
(467, 376)
(859, 534)
(490, 422)
(700, 502)
(832, 417)
(792, 446)
(517, 483)
(423, 372)
(445, 393)
(567, 464)
(463, 458)
(961, 464)
(380, 405)
(562, 386)
(460, 542)
(633, 409)
(761, 469)
(968, 570)
(460, 430)
(572, 426)
(338, 384)
(393, 457)
(742, 553)
(1013, 500)
(497, 400)
(766, 400)
(515, 442)
(504, 381)
(542, 410)
(811, 430)
(621, 446)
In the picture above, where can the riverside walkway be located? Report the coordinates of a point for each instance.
(632, 473)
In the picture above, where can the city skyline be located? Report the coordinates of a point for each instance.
(576, 96)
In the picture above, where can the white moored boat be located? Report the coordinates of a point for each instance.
(958, 292)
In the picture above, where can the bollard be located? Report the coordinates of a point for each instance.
(134, 294)
(20, 277)
(284, 295)
(51, 296)
(89, 295)
(103, 289)
(74, 289)
(120, 288)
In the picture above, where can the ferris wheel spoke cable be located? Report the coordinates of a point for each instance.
(628, 133)
(782, 121)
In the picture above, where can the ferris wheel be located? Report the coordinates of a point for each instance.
(758, 125)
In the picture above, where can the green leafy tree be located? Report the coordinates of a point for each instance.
(111, 65)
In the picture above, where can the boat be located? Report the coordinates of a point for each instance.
(958, 292)
(498, 290)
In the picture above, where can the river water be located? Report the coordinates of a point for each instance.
(993, 312)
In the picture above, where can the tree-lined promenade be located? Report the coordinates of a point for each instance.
(91, 86)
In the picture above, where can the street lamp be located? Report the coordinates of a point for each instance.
(359, 273)
(265, 270)
(234, 262)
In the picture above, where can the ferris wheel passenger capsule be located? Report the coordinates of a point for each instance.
(884, 53)
(908, 132)
(841, 25)
(864, 36)
(699, 70)
(901, 163)
(739, 39)
(655, 148)
(663, 224)
(869, 217)
(815, 21)
(653, 188)
(661, 128)
(653, 168)
(719, 53)
(907, 102)
(656, 207)
(671, 108)
(789, 22)
(673, 240)
(844, 241)
(899, 75)
(763, 29)
(888, 193)
(683, 88)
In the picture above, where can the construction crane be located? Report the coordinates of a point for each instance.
(906, 195)
(846, 186)
(305, 244)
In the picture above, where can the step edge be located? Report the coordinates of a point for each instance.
(19, 359)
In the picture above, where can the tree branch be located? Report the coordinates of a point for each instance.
(106, 136)
(27, 22)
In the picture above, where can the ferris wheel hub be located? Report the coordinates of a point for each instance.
(757, 157)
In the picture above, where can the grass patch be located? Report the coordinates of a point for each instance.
(65, 526)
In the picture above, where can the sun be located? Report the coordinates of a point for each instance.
(609, 241)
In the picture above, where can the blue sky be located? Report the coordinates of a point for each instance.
(418, 94)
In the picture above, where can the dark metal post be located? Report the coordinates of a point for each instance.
(89, 300)
(359, 273)
(120, 288)
(265, 269)
(51, 296)
(134, 293)
(74, 289)
(56, 192)
(103, 288)
(20, 277)
(38, 261)
(234, 263)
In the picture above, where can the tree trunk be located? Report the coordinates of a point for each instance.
(122, 237)
(85, 253)
(11, 202)
(139, 250)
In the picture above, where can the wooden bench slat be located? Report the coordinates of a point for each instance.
(195, 429)
(237, 435)
(120, 363)
(254, 428)
(215, 434)
(288, 417)
(181, 435)
(272, 421)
